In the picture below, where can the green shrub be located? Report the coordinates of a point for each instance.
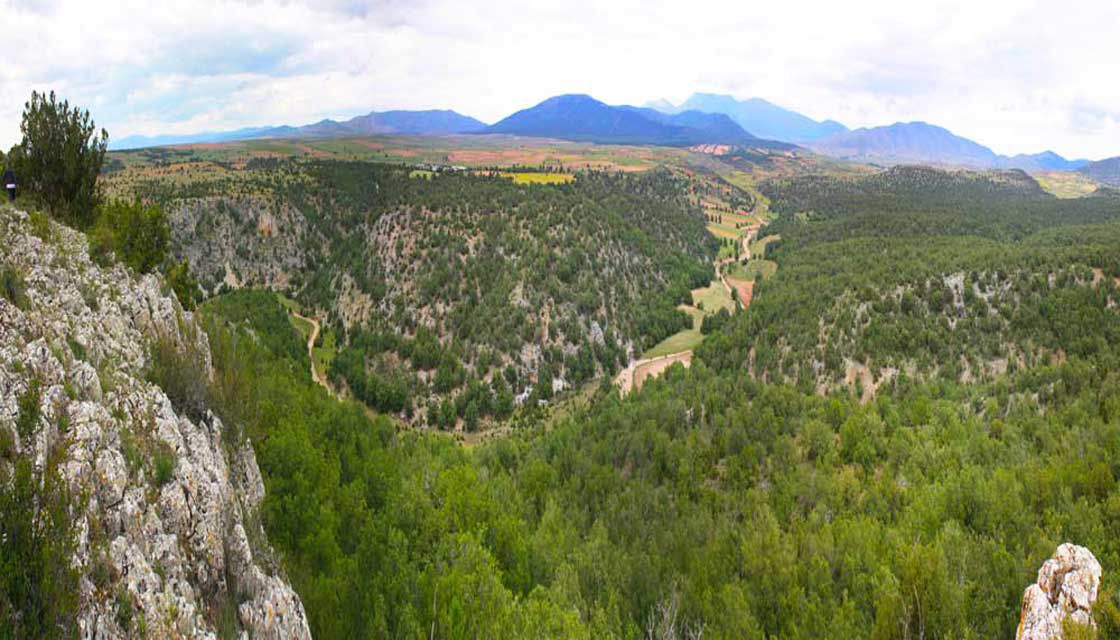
(7, 444)
(164, 464)
(60, 158)
(13, 287)
(131, 451)
(41, 226)
(182, 374)
(136, 234)
(38, 583)
(76, 348)
(124, 609)
(29, 410)
(184, 285)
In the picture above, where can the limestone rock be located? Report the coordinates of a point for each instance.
(174, 545)
(1066, 588)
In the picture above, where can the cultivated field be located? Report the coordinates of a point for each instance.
(533, 177)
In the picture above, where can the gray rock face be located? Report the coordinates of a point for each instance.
(1066, 588)
(169, 517)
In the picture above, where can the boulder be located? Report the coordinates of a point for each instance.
(1066, 588)
(170, 546)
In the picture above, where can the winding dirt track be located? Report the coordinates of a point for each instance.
(639, 371)
(320, 380)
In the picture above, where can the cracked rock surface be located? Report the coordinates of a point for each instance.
(164, 506)
(1066, 589)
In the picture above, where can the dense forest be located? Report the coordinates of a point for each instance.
(918, 271)
(452, 296)
(712, 503)
(921, 403)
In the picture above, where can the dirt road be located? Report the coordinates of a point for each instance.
(315, 375)
(639, 371)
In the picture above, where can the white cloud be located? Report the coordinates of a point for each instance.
(1018, 77)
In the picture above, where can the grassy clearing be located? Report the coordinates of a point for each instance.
(753, 270)
(712, 298)
(304, 327)
(423, 174)
(730, 219)
(758, 247)
(682, 340)
(324, 355)
(1065, 184)
(720, 231)
(530, 177)
(324, 352)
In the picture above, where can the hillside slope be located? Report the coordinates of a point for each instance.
(929, 274)
(159, 499)
(907, 142)
(429, 122)
(454, 287)
(761, 118)
(582, 118)
(1106, 171)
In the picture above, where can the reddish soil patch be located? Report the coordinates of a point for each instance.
(657, 366)
(744, 289)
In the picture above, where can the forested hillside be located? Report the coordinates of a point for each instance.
(778, 487)
(449, 294)
(918, 272)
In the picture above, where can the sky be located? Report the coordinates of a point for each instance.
(1020, 77)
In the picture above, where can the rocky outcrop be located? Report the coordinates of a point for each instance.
(1066, 589)
(239, 240)
(164, 506)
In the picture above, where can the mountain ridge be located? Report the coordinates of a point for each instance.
(579, 117)
(397, 121)
(761, 117)
(924, 143)
(1106, 171)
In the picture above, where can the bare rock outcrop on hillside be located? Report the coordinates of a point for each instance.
(164, 506)
(1066, 589)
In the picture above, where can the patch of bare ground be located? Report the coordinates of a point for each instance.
(638, 372)
(744, 289)
(861, 374)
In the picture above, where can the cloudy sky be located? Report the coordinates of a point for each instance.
(1018, 76)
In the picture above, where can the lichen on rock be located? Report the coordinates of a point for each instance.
(1066, 590)
(163, 504)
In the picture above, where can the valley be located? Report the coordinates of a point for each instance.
(489, 386)
(280, 237)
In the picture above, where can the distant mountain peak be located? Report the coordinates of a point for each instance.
(580, 117)
(926, 143)
(907, 142)
(400, 122)
(760, 117)
(1106, 171)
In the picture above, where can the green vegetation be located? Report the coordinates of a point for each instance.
(756, 494)
(13, 287)
(712, 501)
(38, 585)
(753, 270)
(180, 369)
(60, 157)
(682, 340)
(137, 234)
(178, 277)
(928, 273)
(449, 296)
(29, 411)
(732, 503)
